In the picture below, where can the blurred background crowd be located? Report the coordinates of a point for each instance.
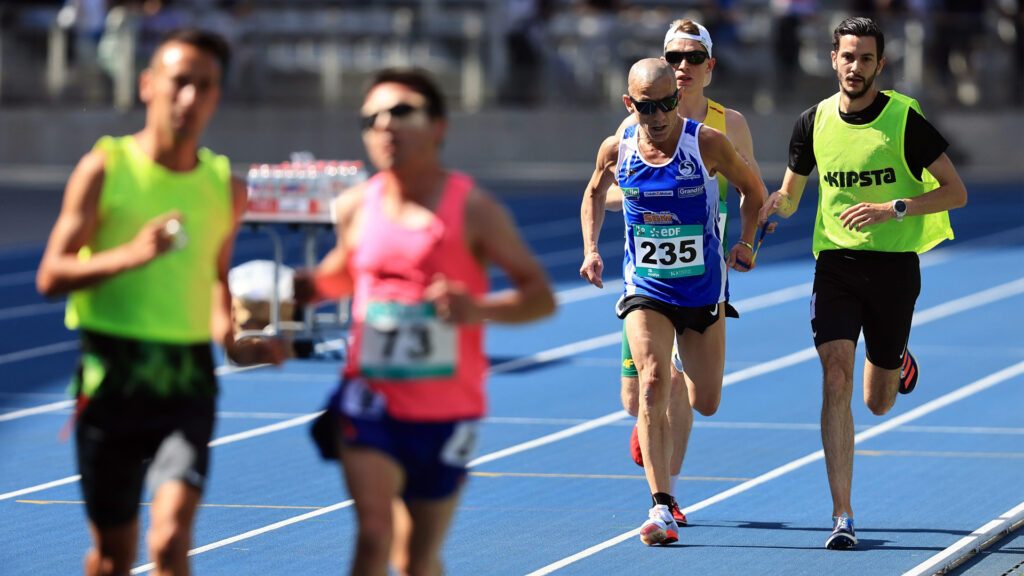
(552, 54)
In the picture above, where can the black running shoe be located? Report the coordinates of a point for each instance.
(908, 373)
(843, 536)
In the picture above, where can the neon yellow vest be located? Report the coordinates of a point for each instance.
(715, 118)
(168, 299)
(865, 163)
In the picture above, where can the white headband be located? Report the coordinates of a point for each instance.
(676, 34)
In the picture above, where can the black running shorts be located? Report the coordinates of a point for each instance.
(696, 318)
(118, 441)
(148, 417)
(875, 292)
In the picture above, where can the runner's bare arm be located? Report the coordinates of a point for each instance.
(613, 197)
(493, 236)
(786, 199)
(739, 133)
(593, 207)
(331, 279)
(720, 155)
(950, 194)
(249, 351)
(61, 270)
(220, 321)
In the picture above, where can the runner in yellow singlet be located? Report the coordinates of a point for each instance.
(142, 247)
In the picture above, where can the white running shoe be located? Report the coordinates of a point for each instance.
(660, 527)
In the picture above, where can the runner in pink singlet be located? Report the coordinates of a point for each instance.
(402, 351)
(413, 246)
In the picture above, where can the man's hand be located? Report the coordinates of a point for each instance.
(304, 287)
(778, 202)
(152, 240)
(741, 258)
(452, 302)
(592, 269)
(250, 351)
(866, 214)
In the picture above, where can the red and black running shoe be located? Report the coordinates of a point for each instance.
(677, 513)
(909, 373)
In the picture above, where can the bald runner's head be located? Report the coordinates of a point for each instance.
(653, 98)
(649, 72)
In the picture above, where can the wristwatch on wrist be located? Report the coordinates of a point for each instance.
(899, 207)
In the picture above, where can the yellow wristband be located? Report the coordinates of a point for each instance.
(747, 244)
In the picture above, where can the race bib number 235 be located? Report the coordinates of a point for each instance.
(668, 251)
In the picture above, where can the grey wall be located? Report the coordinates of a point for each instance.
(42, 145)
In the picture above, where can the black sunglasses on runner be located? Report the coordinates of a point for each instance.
(397, 111)
(648, 107)
(692, 57)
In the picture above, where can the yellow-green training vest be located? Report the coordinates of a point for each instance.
(715, 118)
(865, 163)
(168, 299)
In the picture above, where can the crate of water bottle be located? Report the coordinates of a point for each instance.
(301, 190)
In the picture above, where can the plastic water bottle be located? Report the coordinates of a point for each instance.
(175, 232)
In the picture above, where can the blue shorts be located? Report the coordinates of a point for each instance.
(433, 455)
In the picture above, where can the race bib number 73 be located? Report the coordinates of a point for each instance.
(406, 342)
(668, 251)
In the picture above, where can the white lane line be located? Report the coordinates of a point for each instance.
(964, 303)
(252, 533)
(971, 544)
(497, 455)
(40, 487)
(16, 278)
(38, 351)
(264, 430)
(720, 424)
(767, 300)
(31, 310)
(558, 352)
(57, 406)
(63, 404)
(550, 438)
(923, 410)
(562, 257)
(946, 309)
(622, 414)
(586, 292)
(261, 431)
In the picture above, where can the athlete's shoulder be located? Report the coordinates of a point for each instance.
(735, 121)
(626, 123)
(91, 169)
(349, 202)
(707, 134)
(609, 147)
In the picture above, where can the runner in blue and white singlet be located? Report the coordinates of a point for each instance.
(674, 270)
(673, 247)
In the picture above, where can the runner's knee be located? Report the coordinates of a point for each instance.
(837, 378)
(424, 566)
(107, 564)
(374, 541)
(168, 540)
(880, 396)
(707, 404)
(651, 389)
